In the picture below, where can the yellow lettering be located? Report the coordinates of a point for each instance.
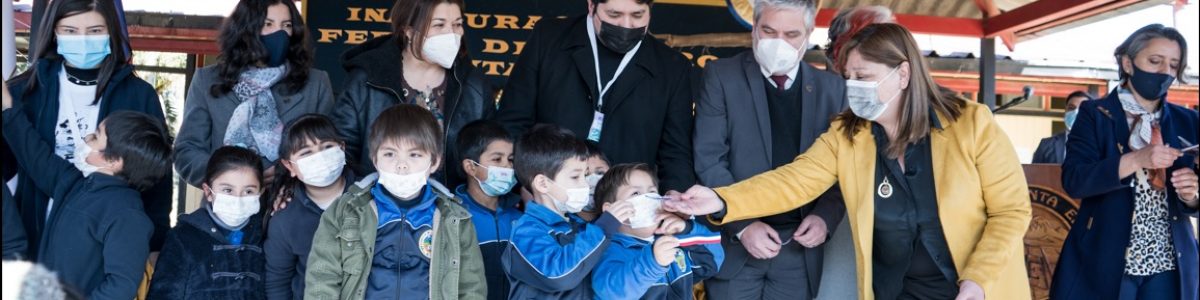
(492, 66)
(328, 35)
(477, 21)
(378, 15)
(495, 46)
(355, 37)
(506, 22)
(375, 34)
(704, 59)
(529, 23)
(354, 12)
(520, 46)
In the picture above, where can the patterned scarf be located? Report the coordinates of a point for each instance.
(255, 123)
(1144, 132)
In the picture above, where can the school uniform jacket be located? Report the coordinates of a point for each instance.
(628, 269)
(552, 256)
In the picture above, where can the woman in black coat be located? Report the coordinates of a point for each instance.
(425, 66)
(80, 75)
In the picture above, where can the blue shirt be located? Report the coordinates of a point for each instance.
(403, 247)
(494, 229)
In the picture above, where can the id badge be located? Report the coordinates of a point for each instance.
(597, 123)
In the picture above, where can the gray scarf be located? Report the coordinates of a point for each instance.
(255, 123)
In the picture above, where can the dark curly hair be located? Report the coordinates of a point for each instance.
(241, 48)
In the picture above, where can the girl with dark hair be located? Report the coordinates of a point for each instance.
(1132, 238)
(423, 63)
(80, 74)
(312, 173)
(216, 251)
(263, 79)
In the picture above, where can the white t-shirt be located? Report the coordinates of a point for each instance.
(77, 117)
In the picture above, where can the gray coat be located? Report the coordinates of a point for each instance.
(205, 118)
(733, 142)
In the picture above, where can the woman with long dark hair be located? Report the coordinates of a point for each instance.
(1132, 238)
(422, 62)
(80, 73)
(262, 80)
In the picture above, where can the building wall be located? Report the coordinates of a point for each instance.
(1025, 132)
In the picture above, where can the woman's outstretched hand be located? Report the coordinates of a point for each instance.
(697, 201)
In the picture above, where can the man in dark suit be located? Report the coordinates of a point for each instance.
(604, 77)
(757, 111)
(1053, 150)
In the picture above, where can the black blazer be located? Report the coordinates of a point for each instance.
(648, 110)
(1051, 150)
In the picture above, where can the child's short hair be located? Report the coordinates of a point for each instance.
(304, 129)
(408, 122)
(617, 176)
(544, 149)
(142, 144)
(594, 150)
(475, 137)
(230, 158)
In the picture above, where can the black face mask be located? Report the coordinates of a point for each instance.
(277, 46)
(620, 39)
(1151, 86)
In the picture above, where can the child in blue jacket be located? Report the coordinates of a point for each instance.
(487, 160)
(553, 251)
(639, 264)
(97, 236)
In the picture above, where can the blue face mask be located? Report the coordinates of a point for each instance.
(1151, 86)
(1069, 118)
(500, 180)
(84, 51)
(276, 44)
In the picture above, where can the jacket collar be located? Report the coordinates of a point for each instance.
(648, 64)
(48, 69)
(629, 241)
(544, 214)
(504, 202)
(383, 61)
(421, 213)
(204, 222)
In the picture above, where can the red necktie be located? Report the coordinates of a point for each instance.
(780, 81)
(1158, 177)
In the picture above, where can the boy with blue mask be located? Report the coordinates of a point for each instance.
(397, 233)
(487, 152)
(553, 250)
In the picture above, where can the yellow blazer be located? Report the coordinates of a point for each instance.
(983, 200)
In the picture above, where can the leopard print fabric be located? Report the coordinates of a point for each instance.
(1150, 248)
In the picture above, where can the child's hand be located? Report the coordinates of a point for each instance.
(7, 96)
(622, 210)
(669, 223)
(665, 248)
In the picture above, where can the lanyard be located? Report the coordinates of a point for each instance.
(591, 30)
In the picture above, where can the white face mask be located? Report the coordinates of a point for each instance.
(441, 49)
(82, 150)
(863, 97)
(777, 56)
(323, 168)
(233, 210)
(404, 186)
(577, 200)
(645, 208)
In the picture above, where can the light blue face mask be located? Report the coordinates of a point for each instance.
(84, 51)
(1069, 118)
(500, 180)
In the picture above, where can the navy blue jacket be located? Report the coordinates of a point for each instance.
(552, 257)
(628, 269)
(14, 231)
(98, 235)
(289, 239)
(494, 230)
(1092, 261)
(199, 261)
(124, 92)
(403, 246)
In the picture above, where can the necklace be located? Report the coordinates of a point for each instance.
(82, 82)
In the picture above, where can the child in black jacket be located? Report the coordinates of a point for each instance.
(97, 235)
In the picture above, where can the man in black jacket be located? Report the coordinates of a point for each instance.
(604, 77)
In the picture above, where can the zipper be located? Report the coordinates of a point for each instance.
(236, 275)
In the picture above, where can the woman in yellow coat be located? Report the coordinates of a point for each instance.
(935, 194)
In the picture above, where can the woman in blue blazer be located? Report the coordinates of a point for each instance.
(1132, 238)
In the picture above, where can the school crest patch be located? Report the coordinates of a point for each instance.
(680, 260)
(425, 243)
